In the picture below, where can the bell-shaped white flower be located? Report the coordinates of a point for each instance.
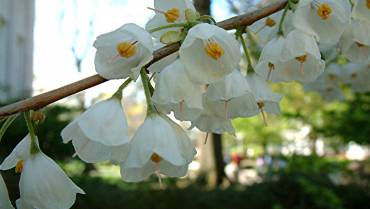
(100, 133)
(266, 99)
(123, 52)
(168, 12)
(357, 76)
(328, 84)
(159, 145)
(296, 57)
(325, 19)
(231, 97)
(361, 10)
(4, 196)
(209, 53)
(355, 42)
(43, 184)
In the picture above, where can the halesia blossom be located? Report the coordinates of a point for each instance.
(100, 133)
(209, 53)
(231, 97)
(4, 197)
(43, 184)
(168, 12)
(355, 42)
(326, 20)
(267, 101)
(158, 146)
(357, 76)
(328, 84)
(123, 52)
(361, 10)
(296, 57)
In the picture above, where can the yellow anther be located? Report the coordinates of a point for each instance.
(360, 45)
(172, 15)
(19, 166)
(214, 50)
(302, 58)
(324, 11)
(126, 49)
(270, 22)
(353, 75)
(368, 4)
(38, 116)
(260, 105)
(155, 158)
(271, 66)
(332, 77)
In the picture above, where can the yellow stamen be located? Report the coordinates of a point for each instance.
(172, 15)
(155, 158)
(353, 75)
(368, 4)
(270, 22)
(302, 59)
(126, 49)
(261, 106)
(271, 68)
(214, 50)
(360, 45)
(332, 77)
(19, 166)
(324, 11)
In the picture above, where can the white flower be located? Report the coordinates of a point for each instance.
(328, 84)
(357, 76)
(167, 12)
(100, 133)
(209, 53)
(159, 145)
(123, 52)
(231, 97)
(266, 99)
(361, 10)
(355, 42)
(325, 19)
(296, 57)
(43, 184)
(4, 197)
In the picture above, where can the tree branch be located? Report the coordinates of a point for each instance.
(47, 98)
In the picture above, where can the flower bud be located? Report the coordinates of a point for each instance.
(38, 116)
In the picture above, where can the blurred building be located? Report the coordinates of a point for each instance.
(16, 48)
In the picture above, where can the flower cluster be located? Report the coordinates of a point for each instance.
(204, 83)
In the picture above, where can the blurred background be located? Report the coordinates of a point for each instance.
(315, 155)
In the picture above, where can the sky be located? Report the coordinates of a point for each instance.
(56, 24)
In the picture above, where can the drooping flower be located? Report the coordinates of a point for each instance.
(324, 19)
(361, 10)
(167, 12)
(266, 99)
(175, 92)
(100, 133)
(43, 184)
(123, 52)
(231, 97)
(4, 197)
(328, 84)
(209, 53)
(355, 42)
(296, 57)
(159, 145)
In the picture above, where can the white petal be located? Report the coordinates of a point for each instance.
(20, 152)
(4, 197)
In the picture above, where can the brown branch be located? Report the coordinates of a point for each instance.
(47, 98)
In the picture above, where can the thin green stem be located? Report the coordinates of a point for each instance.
(281, 24)
(118, 93)
(246, 52)
(6, 125)
(174, 25)
(208, 17)
(34, 147)
(148, 96)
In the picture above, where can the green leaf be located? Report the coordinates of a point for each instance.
(6, 125)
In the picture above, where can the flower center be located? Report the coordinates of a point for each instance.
(271, 67)
(324, 11)
(155, 158)
(360, 45)
(126, 49)
(353, 75)
(19, 166)
(214, 50)
(302, 59)
(368, 4)
(172, 15)
(270, 22)
(332, 77)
